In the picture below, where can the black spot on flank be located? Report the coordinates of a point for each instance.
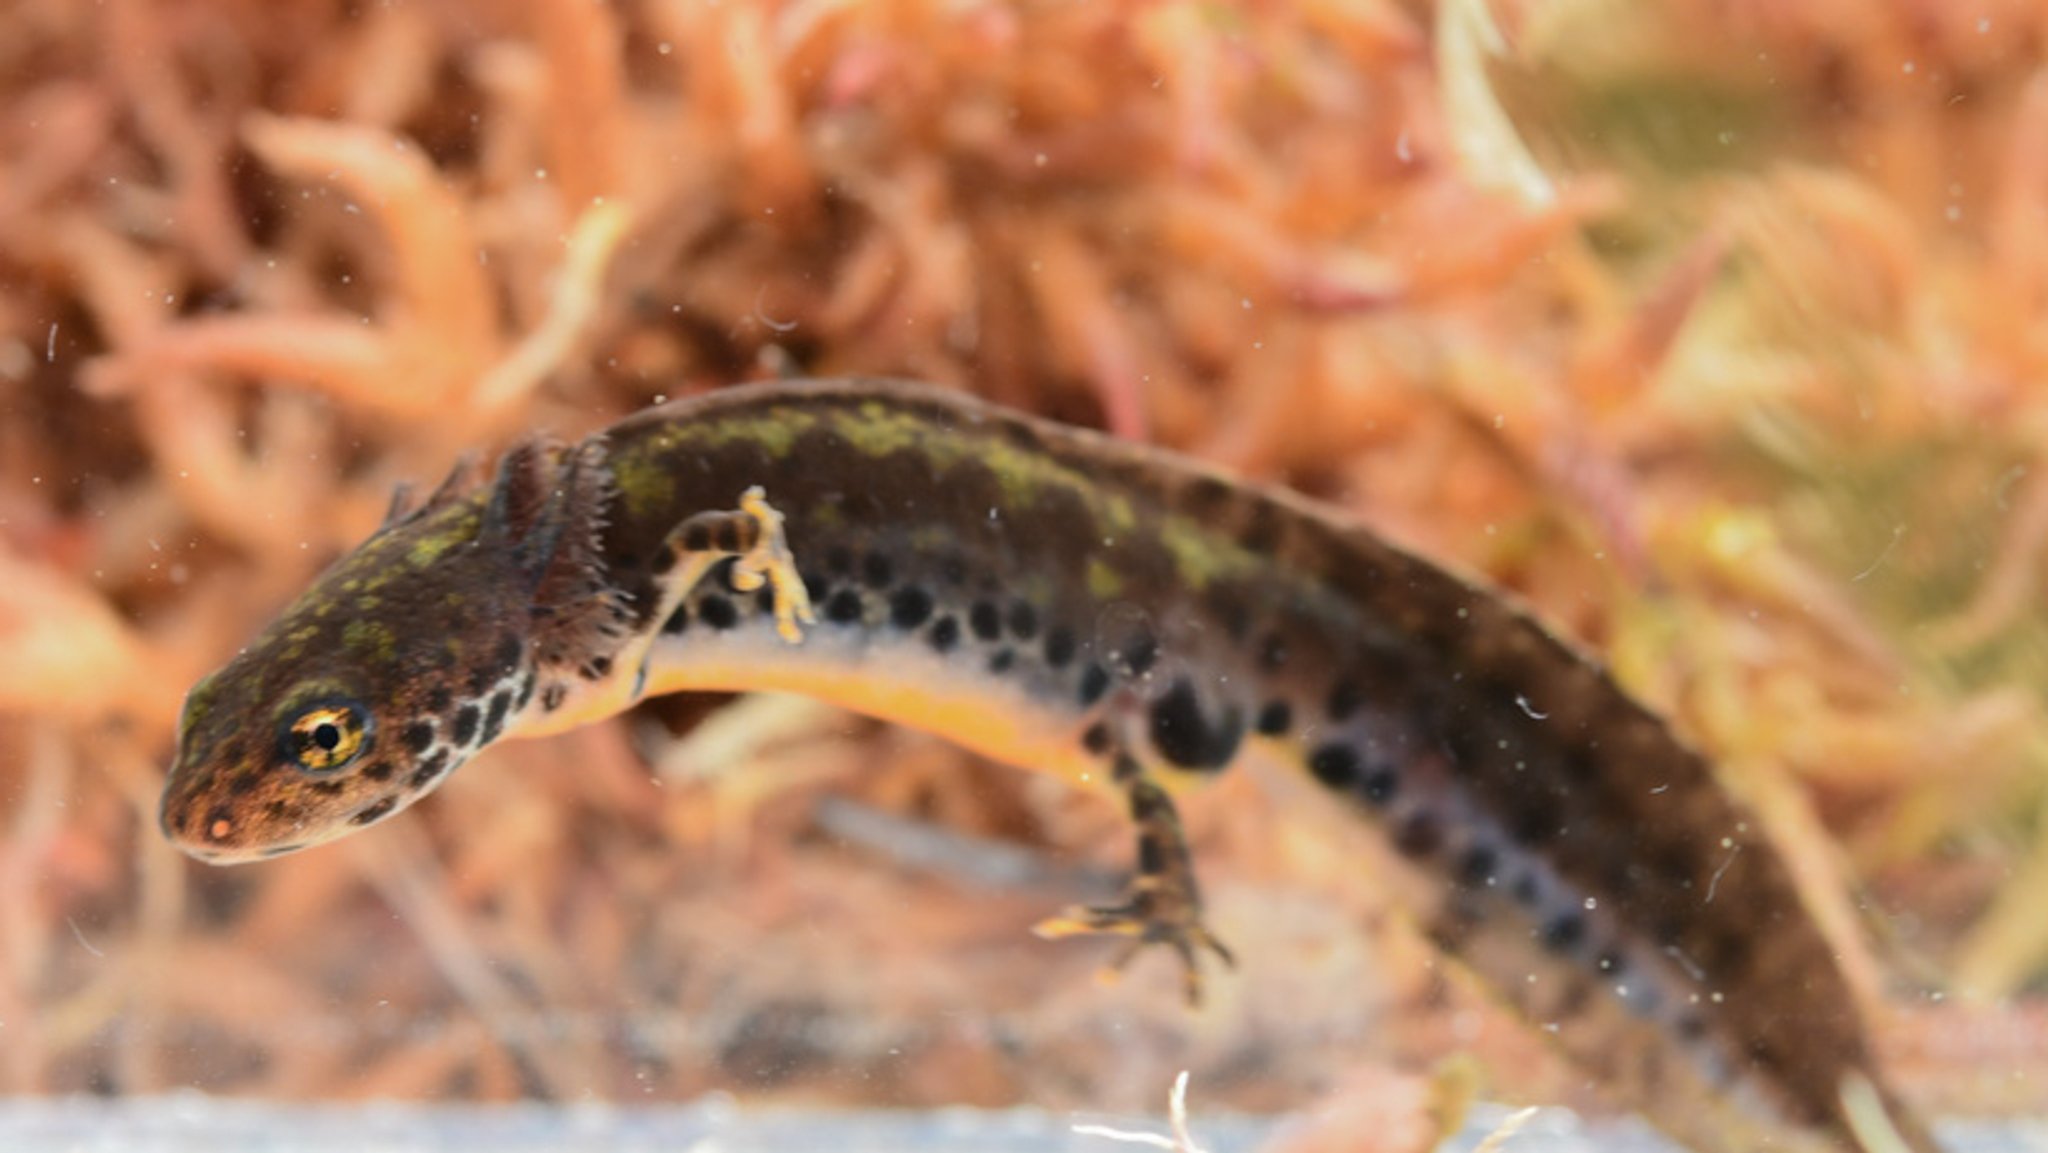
(439, 700)
(839, 561)
(816, 587)
(986, 620)
(329, 788)
(1059, 648)
(598, 668)
(418, 736)
(1380, 785)
(843, 607)
(1347, 696)
(877, 570)
(696, 537)
(430, 768)
(719, 575)
(1096, 738)
(526, 684)
(910, 607)
(494, 719)
(378, 770)
(945, 633)
(1139, 653)
(1094, 683)
(1023, 620)
(1336, 766)
(1273, 652)
(1276, 718)
(1003, 660)
(1478, 866)
(1419, 834)
(466, 720)
(376, 811)
(1564, 932)
(678, 621)
(551, 698)
(283, 811)
(717, 611)
(1524, 889)
(1187, 735)
(728, 535)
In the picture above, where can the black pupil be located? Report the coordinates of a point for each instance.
(326, 735)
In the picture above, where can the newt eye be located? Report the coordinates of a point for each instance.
(328, 736)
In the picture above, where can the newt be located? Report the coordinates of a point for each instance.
(1129, 619)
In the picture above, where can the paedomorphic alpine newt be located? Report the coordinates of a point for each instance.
(1058, 599)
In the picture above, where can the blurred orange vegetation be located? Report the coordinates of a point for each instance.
(1716, 329)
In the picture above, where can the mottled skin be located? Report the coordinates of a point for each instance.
(1121, 616)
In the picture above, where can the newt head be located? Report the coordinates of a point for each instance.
(401, 662)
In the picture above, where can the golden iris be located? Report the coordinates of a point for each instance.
(326, 737)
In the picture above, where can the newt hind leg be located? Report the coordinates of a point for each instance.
(1163, 904)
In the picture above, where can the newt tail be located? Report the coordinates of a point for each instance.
(1120, 616)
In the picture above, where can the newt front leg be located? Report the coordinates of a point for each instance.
(752, 537)
(751, 540)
